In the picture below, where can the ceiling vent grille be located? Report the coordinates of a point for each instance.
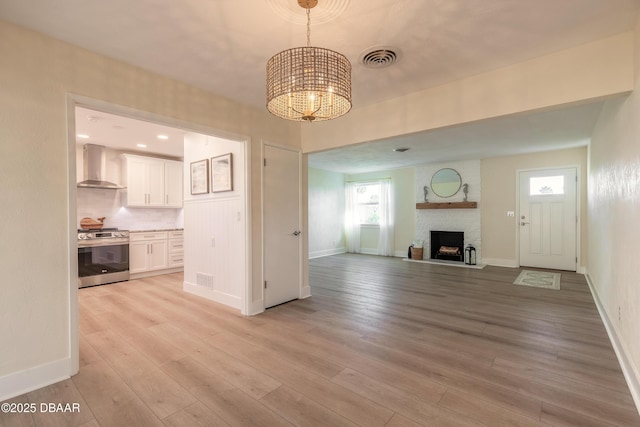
(380, 58)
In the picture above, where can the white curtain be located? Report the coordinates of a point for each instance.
(386, 238)
(351, 223)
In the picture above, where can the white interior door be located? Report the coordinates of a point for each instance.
(548, 218)
(282, 241)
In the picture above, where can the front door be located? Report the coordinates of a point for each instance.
(282, 241)
(548, 218)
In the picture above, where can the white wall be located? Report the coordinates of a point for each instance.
(214, 226)
(465, 220)
(614, 234)
(38, 184)
(589, 71)
(499, 182)
(327, 206)
(326, 212)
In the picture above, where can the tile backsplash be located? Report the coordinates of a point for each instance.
(96, 202)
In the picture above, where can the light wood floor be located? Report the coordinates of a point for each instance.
(382, 342)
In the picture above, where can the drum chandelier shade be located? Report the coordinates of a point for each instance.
(308, 83)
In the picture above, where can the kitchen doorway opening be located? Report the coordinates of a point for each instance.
(199, 208)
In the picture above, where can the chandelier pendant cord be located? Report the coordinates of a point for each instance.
(308, 27)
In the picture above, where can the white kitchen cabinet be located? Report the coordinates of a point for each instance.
(173, 183)
(153, 182)
(176, 248)
(148, 251)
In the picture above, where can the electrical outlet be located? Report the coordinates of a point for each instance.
(511, 214)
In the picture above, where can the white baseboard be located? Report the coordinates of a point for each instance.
(369, 251)
(155, 273)
(257, 307)
(498, 262)
(366, 251)
(21, 382)
(626, 364)
(217, 296)
(327, 252)
(447, 263)
(305, 292)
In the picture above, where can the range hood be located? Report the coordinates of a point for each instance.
(94, 168)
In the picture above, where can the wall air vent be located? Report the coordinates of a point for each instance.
(204, 280)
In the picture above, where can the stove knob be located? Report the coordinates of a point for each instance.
(80, 236)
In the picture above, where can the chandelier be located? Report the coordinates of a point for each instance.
(308, 83)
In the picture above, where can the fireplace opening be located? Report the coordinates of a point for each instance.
(447, 245)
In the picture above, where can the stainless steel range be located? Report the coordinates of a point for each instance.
(103, 256)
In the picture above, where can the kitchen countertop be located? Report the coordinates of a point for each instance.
(150, 230)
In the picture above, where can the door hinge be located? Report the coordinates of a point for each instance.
(264, 162)
(265, 284)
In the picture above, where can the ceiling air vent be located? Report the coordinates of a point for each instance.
(380, 57)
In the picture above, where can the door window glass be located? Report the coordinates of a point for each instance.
(545, 185)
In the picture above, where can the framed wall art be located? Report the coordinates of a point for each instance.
(222, 173)
(200, 177)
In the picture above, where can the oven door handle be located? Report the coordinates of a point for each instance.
(102, 242)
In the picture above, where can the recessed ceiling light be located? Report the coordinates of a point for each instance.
(163, 137)
(400, 150)
(141, 145)
(82, 136)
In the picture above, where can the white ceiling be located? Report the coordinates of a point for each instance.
(517, 134)
(223, 45)
(125, 134)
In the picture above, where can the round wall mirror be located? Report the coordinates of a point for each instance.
(446, 182)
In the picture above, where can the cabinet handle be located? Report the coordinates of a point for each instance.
(167, 199)
(151, 249)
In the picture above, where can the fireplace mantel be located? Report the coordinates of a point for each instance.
(447, 205)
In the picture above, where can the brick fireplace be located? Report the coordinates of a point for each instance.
(464, 221)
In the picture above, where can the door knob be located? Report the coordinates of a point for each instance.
(524, 223)
(297, 233)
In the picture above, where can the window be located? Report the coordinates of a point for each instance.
(368, 203)
(544, 185)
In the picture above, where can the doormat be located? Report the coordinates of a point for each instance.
(538, 279)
